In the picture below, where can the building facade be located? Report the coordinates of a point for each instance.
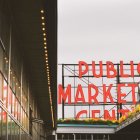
(18, 102)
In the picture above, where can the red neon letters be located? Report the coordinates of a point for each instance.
(91, 96)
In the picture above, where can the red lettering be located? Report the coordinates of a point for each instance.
(81, 71)
(111, 69)
(107, 93)
(124, 112)
(120, 94)
(90, 96)
(81, 93)
(94, 112)
(122, 74)
(133, 86)
(100, 69)
(80, 113)
(107, 115)
(132, 68)
(138, 68)
(64, 95)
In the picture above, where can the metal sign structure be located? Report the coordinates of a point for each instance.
(70, 76)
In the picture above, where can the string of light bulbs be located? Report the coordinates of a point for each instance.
(46, 60)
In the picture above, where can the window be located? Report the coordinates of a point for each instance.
(4, 125)
(5, 67)
(1, 86)
(5, 92)
(0, 122)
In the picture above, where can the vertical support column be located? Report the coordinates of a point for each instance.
(102, 84)
(108, 138)
(9, 75)
(74, 93)
(62, 136)
(55, 136)
(89, 103)
(92, 137)
(21, 97)
(104, 137)
(119, 106)
(63, 116)
(74, 136)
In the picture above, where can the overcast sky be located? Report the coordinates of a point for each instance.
(98, 30)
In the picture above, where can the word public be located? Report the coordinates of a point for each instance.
(65, 95)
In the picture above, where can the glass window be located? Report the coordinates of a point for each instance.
(17, 132)
(16, 109)
(5, 67)
(1, 86)
(23, 135)
(0, 121)
(12, 82)
(18, 113)
(9, 128)
(1, 58)
(13, 104)
(18, 91)
(13, 129)
(4, 125)
(15, 86)
(10, 100)
(25, 102)
(16, 58)
(5, 91)
(22, 116)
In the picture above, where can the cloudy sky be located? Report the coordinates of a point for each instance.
(98, 30)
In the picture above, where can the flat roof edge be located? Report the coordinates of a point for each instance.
(87, 130)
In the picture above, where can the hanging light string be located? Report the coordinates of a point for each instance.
(46, 60)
